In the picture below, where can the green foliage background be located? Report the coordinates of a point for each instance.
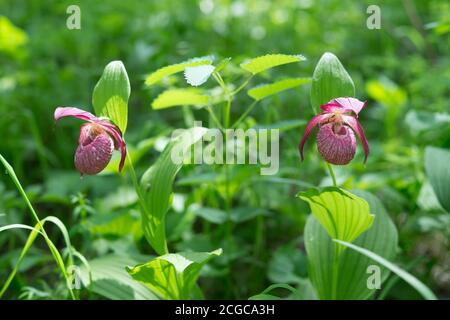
(403, 70)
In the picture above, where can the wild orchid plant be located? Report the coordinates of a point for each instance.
(340, 219)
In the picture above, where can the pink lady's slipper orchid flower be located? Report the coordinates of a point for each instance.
(97, 141)
(336, 141)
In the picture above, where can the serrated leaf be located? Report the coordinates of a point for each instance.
(437, 167)
(266, 90)
(179, 97)
(343, 215)
(111, 94)
(381, 238)
(330, 80)
(262, 63)
(410, 279)
(156, 185)
(173, 276)
(175, 68)
(197, 76)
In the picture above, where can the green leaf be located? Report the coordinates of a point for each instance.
(287, 265)
(263, 91)
(410, 279)
(344, 215)
(110, 279)
(111, 94)
(173, 276)
(437, 167)
(381, 238)
(222, 64)
(156, 185)
(262, 63)
(330, 80)
(11, 37)
(180, 97)
(175, 68)
(197, 76)
(265, 295)
(212, 215)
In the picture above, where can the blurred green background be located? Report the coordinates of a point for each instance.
(403, 70)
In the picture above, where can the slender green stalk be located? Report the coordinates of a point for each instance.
(40, 225)
(245, 114)
(333, 177)
(214, 117)
(242, 86)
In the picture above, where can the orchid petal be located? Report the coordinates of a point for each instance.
(356, 126)
(116, 134)
(61, 112)
(311, 124)
(351, 104)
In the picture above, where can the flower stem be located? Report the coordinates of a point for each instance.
(333, 177)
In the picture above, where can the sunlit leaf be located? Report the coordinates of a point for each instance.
(175, 68)
(110, 279)
(262, 63)
(11, 37)
(197, 76)
(344, 215)
(174, 275)
(381, 238)
(330, 80)
(180, 97)
(437, 167)
(110, 97)
(263, 91)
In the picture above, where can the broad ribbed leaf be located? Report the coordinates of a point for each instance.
(381, 238)
(262, 63)
(174, 275)
(180, 97)
(330, 80)
(344, 215)
(111, 94)
(410, 279)
(156, 185)
(437, 167)
(175, 68)
(110, 279)
(266, 90)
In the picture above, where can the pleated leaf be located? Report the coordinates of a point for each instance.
(156, 185)
(173, 276)
(381, 238)
(266, 90)
(437, 167)
(180, 97)
(343, 215)
(330, 80)
(410, 279)
(110, 279)
(262, 63)
(111, 94)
